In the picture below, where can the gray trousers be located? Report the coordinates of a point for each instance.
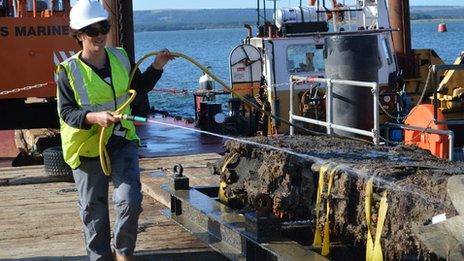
(92, 187)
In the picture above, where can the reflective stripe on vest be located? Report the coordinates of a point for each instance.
(122, 57)
(108, 106)
(79, 82)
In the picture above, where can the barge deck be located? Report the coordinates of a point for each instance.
(39, 218)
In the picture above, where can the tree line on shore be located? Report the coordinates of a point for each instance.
(197, 19)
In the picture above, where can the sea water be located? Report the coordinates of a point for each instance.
(212, 48)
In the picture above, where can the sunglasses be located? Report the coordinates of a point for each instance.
(93, 31)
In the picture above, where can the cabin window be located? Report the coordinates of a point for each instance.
(304, 58)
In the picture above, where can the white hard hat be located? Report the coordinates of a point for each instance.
(85, 13)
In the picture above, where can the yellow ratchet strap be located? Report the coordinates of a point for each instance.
(222, 185)
(374, 248)
(317, 233)
(318, 240)
(222, 193)
(228, 160)
(326, 243)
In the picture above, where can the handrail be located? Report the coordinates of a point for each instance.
(374, 133)
(449, 133)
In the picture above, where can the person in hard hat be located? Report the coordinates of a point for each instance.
(90, 85)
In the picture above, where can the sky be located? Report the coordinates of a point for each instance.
(209, 4)
(206, 4)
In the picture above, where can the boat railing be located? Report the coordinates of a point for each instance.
(328, 123)
(349, 10)
(374, 133)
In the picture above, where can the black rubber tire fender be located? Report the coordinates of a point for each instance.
(54, 163)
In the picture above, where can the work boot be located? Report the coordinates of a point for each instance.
(123, 258)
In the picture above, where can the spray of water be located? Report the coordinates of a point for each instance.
(413, 191)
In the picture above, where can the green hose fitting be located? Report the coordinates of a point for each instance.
(134, 118)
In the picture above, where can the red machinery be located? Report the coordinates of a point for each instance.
(422, 116)
(34, 38)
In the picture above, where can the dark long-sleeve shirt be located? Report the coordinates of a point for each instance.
(74, 116)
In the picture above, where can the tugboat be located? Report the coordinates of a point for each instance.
(311, 42)
(293, 43)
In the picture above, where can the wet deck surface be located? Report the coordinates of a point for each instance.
(158, 171)
(161, 140)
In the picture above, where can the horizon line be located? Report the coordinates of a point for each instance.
(206, 8)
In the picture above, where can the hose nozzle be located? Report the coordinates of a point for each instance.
(131, 118)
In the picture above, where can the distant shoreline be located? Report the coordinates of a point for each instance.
(200, 19)
(212, 27)
(189, 29)
(438, 20)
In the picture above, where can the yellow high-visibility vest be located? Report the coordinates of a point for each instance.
(94, 94)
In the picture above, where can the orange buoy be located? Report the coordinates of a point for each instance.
(442, 28)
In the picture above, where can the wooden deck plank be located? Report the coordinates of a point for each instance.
(18, 172)
(30, 230)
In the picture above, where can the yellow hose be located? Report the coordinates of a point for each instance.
(104, 158)
(214, 77)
